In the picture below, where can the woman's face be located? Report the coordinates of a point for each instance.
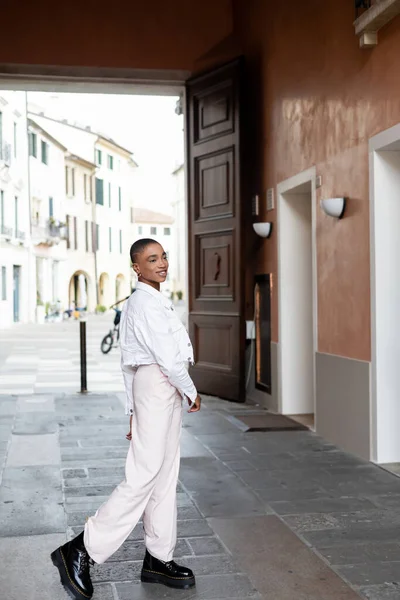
(152, 265)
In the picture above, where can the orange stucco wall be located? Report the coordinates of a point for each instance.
(125, 33)
(322, 98)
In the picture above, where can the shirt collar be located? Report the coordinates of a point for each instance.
(153, 292)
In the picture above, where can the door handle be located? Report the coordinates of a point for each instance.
(217, 266)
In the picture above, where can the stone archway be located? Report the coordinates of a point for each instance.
(105, 298)
(121, 287)
(80, 293)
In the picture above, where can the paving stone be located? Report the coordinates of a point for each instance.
(26, 572)
(282, 493)
(341, 537)
(322, 505)
(103, 592)
(84, 504)
(134, 551)
(215, 587)
(83, 454)
(89, 491)
(73, 473)
(375, 573)
(313, 522)
(25, 519)
(361, 553)
(387, 591)
(94, 481)
(35, 424)
(35, 403)
(31, 450)
(216, 490)
(31, 484)
(102, 442)
(206, 546)
(278, 563)
(117, 571)
(106, 472)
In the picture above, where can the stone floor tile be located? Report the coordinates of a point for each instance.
(30, 450)
(362, 553)
(387, 591)
(278, 563)
(26, 571)
(206, 546)
(371, 573)
(218, 587)
(322, 505)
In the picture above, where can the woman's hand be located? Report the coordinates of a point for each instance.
(196, 405)
(129, 435)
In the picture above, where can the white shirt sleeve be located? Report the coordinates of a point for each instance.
(153, 330)
(128, 371)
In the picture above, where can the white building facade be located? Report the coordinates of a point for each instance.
(16, 285)
(180, 253)
(47, 193)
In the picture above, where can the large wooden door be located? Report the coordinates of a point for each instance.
(216, 282)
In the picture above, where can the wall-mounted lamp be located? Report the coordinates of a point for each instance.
(263, 229)
(334, 207)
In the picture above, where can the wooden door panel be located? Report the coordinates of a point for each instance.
(215, 346)
(213, 111)
(214, 185)
(216, 286)
(215, 266)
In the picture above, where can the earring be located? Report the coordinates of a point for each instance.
(139, 274)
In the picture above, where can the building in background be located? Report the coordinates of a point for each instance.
(80, 269)
(99, 191)
(16, 287)
(48, 217)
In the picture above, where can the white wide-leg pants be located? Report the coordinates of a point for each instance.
(151, 474)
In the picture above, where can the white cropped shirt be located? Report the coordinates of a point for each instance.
(152, 333)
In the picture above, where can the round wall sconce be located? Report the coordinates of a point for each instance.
(334, 207)
(263, 229)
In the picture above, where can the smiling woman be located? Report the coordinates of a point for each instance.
(155, 352)
(150, 262)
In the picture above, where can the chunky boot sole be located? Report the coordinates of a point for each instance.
(69, 586)
(181, 583)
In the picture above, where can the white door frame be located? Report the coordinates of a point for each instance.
(308, 176)
(378, 142)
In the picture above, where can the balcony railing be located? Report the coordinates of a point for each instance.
(20, 235)
(49, 233)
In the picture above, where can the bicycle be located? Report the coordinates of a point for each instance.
(111, 340)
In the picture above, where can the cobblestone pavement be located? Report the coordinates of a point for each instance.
(281, 516)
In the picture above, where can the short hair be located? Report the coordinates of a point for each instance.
(139, 246)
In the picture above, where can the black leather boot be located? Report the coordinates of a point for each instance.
(73, 563)
(167, 573)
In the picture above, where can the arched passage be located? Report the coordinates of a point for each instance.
(121, 287)
(105, 290)
(80, 294)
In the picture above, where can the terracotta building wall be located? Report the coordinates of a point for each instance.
(320, 99)
(125, 33)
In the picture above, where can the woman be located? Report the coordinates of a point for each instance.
(155, 350)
